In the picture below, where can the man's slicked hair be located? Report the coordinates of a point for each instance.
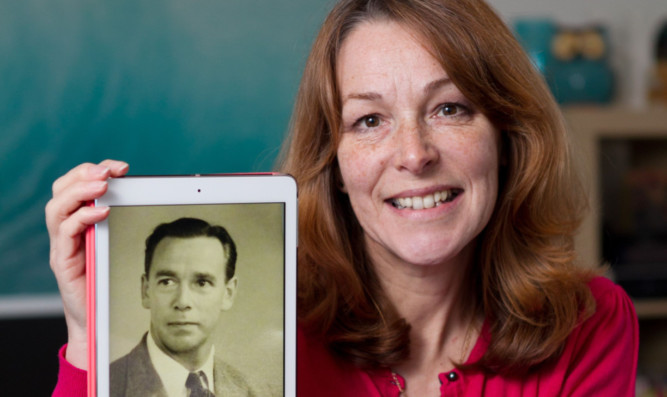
(189, 228)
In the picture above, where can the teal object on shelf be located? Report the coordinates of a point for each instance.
(535, 36)
(572, 60)
(580, 71)
(582, 81)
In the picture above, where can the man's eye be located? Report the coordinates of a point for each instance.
(204, 283)
(165, 282)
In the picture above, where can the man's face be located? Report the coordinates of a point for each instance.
(186, 292)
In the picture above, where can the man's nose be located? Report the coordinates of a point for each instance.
(414, 150)
(182, 300)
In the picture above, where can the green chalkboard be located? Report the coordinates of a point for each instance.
(171, 86)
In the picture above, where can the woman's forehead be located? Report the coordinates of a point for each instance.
(380, 51)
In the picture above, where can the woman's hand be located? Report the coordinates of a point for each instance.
(67, 218)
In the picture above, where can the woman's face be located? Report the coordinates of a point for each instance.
(418, 161)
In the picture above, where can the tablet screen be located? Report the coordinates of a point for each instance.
(203, 288)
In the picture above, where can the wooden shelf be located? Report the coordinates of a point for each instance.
(651, 308)
(588, 125)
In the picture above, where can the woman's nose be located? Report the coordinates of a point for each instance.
(414, 150)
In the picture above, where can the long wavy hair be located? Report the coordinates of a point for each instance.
(526, 281)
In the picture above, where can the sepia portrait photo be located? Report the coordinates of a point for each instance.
(196, 300)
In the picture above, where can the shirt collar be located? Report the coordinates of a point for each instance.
(172, 374)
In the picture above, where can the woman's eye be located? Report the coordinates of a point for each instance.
(370, 121)
(450, 109)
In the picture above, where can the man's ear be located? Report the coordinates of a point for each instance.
(145, 302)
(229, 293)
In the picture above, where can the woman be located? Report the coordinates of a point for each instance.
(437, 209)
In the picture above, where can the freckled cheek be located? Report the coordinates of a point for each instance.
(352, 167)
(486, 167)
(362, 166)
(479, 156)
(484, 173)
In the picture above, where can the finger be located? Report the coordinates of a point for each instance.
(66, 245)
(69, 192)
(89, 171)
(82, 172)
(117, 168)
(69, 200)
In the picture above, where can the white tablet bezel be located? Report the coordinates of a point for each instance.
(197, 190)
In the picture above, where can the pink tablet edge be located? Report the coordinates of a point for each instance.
(90, 308)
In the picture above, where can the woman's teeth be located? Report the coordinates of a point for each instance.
(426, 201)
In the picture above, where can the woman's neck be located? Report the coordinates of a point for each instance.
(439, 303)
(424, 294)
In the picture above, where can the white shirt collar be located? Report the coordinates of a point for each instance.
(172, 374)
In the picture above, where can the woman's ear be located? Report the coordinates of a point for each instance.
(338, 178)
(341, 186)
(503, 150)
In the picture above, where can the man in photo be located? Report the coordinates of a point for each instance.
(188, 282)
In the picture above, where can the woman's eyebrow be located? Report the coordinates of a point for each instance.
(373, 96)
(365, 96)
(435, 84)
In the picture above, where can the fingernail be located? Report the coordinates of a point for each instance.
(101, 210)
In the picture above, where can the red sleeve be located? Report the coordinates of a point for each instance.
(603, 350)
(72, 381)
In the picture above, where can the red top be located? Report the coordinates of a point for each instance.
(600, 358)
(72, 381)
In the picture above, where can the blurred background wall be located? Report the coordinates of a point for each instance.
(171, 86)
(177, 87)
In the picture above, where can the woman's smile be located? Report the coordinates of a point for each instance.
(425, 201)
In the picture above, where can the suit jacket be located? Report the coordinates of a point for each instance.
(133, 375)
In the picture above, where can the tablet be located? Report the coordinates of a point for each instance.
(192, 285)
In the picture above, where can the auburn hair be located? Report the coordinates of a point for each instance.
(525, 278)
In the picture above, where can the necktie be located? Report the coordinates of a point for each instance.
(197, 385)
